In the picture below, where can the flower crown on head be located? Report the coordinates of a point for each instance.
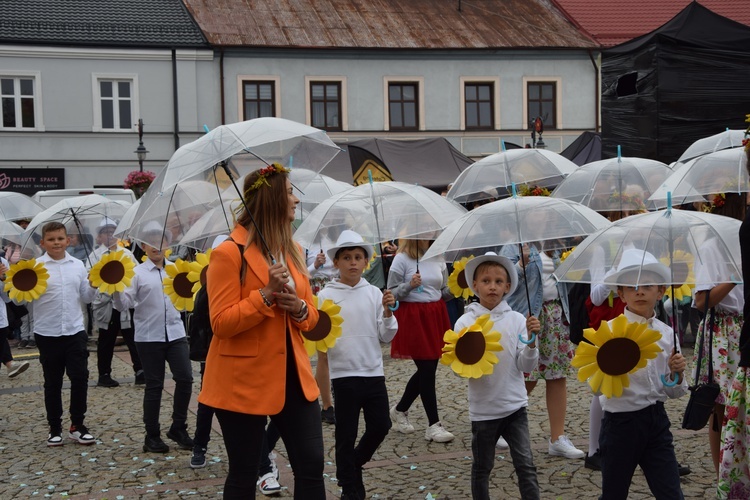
(526, 190)
(629, 202)
(264, 173)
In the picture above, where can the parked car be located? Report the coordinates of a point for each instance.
(52, 196)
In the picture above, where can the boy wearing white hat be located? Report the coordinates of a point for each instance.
(356, 361)
(497, 402)
(639, 411)
(108, 321)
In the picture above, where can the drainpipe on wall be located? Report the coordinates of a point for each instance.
(597, 92)
(221, 83)
(175, 102)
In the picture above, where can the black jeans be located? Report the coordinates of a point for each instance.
(106, 345)
(634, 438)
(5, 354)
(154, 356)
(301, 429)
(355, 394)
(60, 355)
(484, 434)
(422, 384)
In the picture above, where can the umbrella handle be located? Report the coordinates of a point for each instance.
(667, 383)
(527, 342)
(393, 308)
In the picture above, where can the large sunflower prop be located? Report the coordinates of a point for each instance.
(198, 269)
(682, 268)
(167, 253)
(324, 335)
(178, 286)
(113, 272)
(469, 352)
(458, 284)
(614, 353)
(26, 280)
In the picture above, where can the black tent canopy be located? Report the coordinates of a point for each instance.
(683, 81)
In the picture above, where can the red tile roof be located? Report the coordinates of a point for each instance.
(612, 22)
(387, 24)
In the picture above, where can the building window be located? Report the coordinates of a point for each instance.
(542, 101)
(116, 104)
(325, 105)
(18, 102)
(480, 106)
(259, 99)
(403, 106)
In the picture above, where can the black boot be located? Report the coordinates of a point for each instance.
(154, 444)
(179, 435)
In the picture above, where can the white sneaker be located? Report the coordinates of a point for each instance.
(17, 367)
(436, 432)
(274, 468)
(564, 448)
(501, 444)
(401, 419)
(268, 485)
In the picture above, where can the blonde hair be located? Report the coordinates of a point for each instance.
(412, 248)
(268, 205)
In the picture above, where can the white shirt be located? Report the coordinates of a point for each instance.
(4, 296)
(712, 269)
(549, 283)
(102, 303)
(155, 317)
(57, 313)
(504, 391)
(434, 279)
(646, 387)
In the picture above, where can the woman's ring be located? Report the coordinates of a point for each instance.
(284, 275)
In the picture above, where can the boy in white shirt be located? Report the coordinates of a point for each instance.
(160, 338)
(497, 402)
(356, 361)
(635, 427)
(60, 335)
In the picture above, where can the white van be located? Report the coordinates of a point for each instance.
(49, 198)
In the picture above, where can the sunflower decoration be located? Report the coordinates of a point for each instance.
(167, 253)
(565, 254)
(614, 353)
(682, 268)
(26, 280)
(469, 352)
(324, 335)
(372, 259)
(198, 269)
(178, 286)
(457, 282)
(113, 272)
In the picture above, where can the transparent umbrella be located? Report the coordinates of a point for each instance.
(313, 188)
(614, 185)
(81, 215)
(11, 231)
(493, 176)
(724, 140)
(15, 206)
(724, 171)
(127, 219)
(517, 220)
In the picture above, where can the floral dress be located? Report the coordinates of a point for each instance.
(734, 460)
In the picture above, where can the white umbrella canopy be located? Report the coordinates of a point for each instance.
(313, 188)
(127, 219)
(15, 206)
(493, 176)
(219, 219)
(379, 211)
(680, 239)
(724, 140)
(724, 171)
(516, 220)
(614, 185)
(261, 141)
(81, 215)
(10, 231)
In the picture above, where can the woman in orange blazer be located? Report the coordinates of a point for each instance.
(257, 365)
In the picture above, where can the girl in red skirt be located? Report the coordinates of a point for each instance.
(421, 289)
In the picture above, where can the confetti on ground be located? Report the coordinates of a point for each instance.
(422, 488)
(413, 467)
(84, 453)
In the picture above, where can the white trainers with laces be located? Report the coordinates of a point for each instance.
(401, 419)
(17, 367)
(564, 448)
(502, 444)
(268, 485)
(436, 432)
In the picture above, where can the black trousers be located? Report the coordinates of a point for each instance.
(58, 356)
(105, 348)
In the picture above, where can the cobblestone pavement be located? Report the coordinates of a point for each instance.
(405, 466)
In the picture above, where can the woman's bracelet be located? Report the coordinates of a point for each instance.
(300, 315)
(265, 299)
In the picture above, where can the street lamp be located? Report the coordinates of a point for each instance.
(141, 150)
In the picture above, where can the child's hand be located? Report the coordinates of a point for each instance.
(416, 280)
(526, 252)
(388, 300)
(533, 325)
(3, 270)
(677, 363)
(320, 260)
